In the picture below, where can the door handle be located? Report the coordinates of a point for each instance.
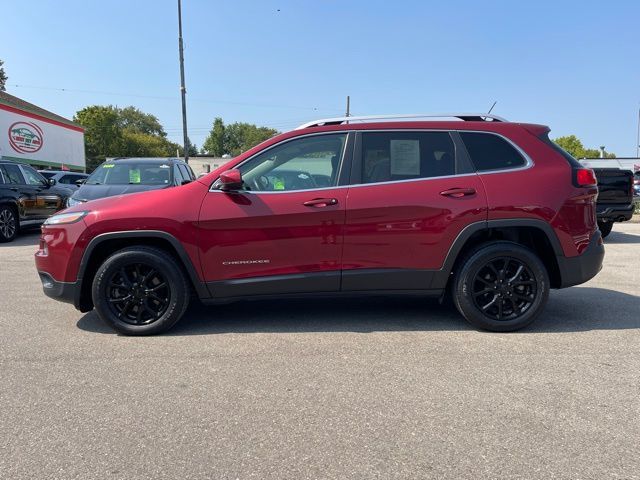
(458, 192)
(321, 202)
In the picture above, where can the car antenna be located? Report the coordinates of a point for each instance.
(494, 104)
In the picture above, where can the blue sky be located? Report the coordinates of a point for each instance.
(572, 65)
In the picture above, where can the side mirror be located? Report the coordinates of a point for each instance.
(230, 180)
(80, 181)
(51, 182)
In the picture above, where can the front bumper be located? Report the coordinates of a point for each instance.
(68, 292)
(582, 268)
(614, 213)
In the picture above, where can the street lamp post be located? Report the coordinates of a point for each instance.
(183, 90)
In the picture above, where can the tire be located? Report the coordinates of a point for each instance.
(9, 223)
(517, 303)
(140, 291)
(605, 228)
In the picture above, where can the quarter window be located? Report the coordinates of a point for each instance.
(392, 156)
(301, 164)
(491, 152)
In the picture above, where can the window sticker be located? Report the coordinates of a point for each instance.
(109, 165)
(134, 175)
(405, 157)
(164, 166)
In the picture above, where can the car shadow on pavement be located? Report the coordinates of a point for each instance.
(620, 237)
(571, 310)
(24, 239)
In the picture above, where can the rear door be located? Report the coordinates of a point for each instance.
(413, 193)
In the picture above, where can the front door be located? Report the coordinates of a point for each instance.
(283, 231)
(42, 201)
(413, 193)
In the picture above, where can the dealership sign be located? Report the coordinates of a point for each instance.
(32, 138)
(25, 137)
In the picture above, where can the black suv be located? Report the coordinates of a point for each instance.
(132, 175)
(26, 198)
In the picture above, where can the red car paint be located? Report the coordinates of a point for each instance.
(407, 225)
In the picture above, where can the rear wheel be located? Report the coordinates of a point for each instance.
(605, 228)
(501, 287)
(140, 291)
(8, 223)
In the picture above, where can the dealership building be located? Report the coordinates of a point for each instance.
(30, 134)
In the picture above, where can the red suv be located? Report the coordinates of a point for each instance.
(490, 211)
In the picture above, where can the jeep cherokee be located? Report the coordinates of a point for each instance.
(475, 206)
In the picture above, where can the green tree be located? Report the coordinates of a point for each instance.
(3, 77)
(574, 146)
(214, 144)
(234, 138)
(136, 120)
(122, 132)
(192, 148)
(103, 135)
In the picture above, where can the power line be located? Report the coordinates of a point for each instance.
(161, 97)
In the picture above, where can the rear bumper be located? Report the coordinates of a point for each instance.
(614, 212)
(68, 292)
(581, 268)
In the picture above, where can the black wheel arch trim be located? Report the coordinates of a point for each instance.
(441, 277)
(199, 285)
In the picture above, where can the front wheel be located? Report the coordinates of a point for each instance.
(140, 291)
(605, 228)
(501, 287)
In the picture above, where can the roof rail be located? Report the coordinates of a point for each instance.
(468, 117)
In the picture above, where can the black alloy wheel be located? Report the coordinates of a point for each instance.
(504, 288)
(8, 224)
(140, 290)
(500, 286)
(138, 294)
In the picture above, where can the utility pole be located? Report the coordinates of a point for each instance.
(183, 90)
(638, 137)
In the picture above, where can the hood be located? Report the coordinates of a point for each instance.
(93, 192)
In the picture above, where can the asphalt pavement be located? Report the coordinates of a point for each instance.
(312, 389)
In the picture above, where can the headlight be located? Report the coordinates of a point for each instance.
(65, 218)
(72, 201)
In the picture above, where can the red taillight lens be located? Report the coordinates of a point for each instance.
(585, 177)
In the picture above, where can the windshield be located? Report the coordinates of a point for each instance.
(47, 174)
(115, 173)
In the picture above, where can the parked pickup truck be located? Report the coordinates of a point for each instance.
(615, 197)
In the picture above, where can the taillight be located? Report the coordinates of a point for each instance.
(584, 177)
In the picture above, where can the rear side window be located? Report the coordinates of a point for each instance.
(187, 173)
(12, 174)
(392, 156)
(491, 152)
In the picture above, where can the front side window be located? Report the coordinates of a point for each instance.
(32, 177)
(491, 152)
(301, 164)
(393, 156)
(124, 173)
(12, 174)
